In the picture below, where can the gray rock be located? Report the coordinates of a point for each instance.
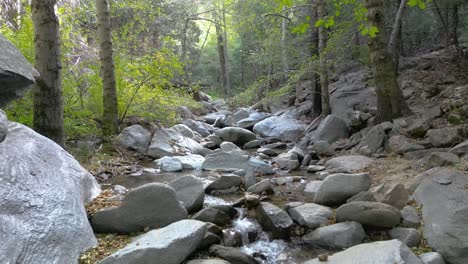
(208, 261)
(43, 190)
(341, 235)
(395, 195)
(275, 220)
(337, 188)
(3, 126)
(322, 148)
(169, 245)
(224, 182)
(432, 258)
(232, 255)
(382, 252)
(202, 128)
(138, 208)
(16, 73)
(444, 201)
(168, 142)
(211, 118)
(373, 140)
(400, 144)
(418, 127)
(410, 236)
(286, 129)
(135, 137)
(236, 135)
(250, 179)
(185, 131)
(287, 161)
(190, 191)
(229, 146)
(369, 214)
(315, 168)
(235, 117)
(331, 129)
(261, 187)
(253, 144)
(419, 154)
(438, 159)
(215, 139)
(365, 196)
(252, 120)
(209, 240)
(460, 149)
(444, 137)
(191, 161)
(350, 163)
(410, 217)
(213, 215)
(310, 215)
(170, 164)
(311, 189)
(236, 160)
(268, 151)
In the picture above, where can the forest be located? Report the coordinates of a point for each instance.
(234, 131)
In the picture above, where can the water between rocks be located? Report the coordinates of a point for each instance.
(263, 248)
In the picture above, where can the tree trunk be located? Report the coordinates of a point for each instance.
(284, 47)
(222, 57)
(323, 61)
(110, 119)
(314, 52)
(390, 101)
(48, 102)
(395, 36)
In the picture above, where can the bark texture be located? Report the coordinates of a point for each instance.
(323, 61)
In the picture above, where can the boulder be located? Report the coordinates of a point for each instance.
(372, 141)
(362, 197)
(185, 131)
(432, 258)
(213, 215)
(43, 190)
(190, 191)
(460, 149)
(232, 255)
(236, 160)
(369, 214)
(331, 129)
(229, 146)
(191, 161)
(226, 181)
(16, 73)
(202, 128)
(400, 144)
(252, 120)
(438, 159)
(209, 240)
(395, 195)
(235, 117)
(341, 235)
(322, 148)
(382, 252)
(3, 126)
(287, 161)
(310, 215)
(211, 118)
(337, 188)
(286, 129)
(168, 142)
(169, 245)
(349, 163)
(311, 189)
(410, 236)
(275, 220)
(261, 187)
(152, 205)
(169, 164)
(236, 135)
(410, 217)
(444, 137)
(253, 144)
(444, 201)
(135, 137)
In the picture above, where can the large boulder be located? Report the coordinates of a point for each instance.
(169, 245)
(444, 137)
(168, 142)
(169, 164)
(331, 129)
(349, 163)
(202, 128)
(372, 214)
(286, 129)
(191, 162)
(382, 252)
(310, 215)
(438, 159)
(287, 161)
(252, 120)
(373, 141)
(341, 235)
(444, 201)
(213, 215)
(136, 138)
(43, 190)
(235, 117)
(275, 220)
(460, 149)
(337, 188)
(152, 205)
(16, 74)
(190, 192)
(236, 135)
(400, 144)
(235, 160)
(225, 181)
(232, 255)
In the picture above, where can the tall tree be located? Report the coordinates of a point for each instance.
(221, 37)
(284, 46)
(48, 102)
(110, 119)
(323, 60)
(390, 101)
(314, 52)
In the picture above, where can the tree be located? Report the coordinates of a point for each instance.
(110, 118)
(314, 52)
(221, 37)
(390, 101)
(323, 60)
(48, 102)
